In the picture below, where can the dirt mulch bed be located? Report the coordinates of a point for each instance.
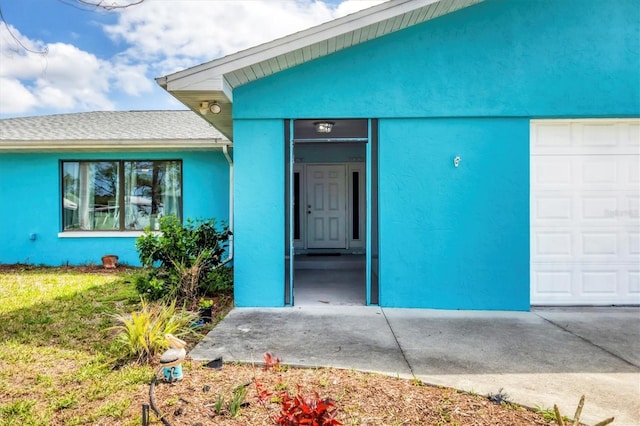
(360, 398)
(89, 269)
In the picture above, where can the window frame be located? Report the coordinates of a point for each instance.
(121, 230)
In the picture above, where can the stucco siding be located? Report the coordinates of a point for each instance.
(498, 58)
(31, 204)
(454, 237)
(259, 213)
(466, 84)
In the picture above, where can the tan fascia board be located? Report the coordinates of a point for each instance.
(217, 83)
(187, 79)
(108, 145)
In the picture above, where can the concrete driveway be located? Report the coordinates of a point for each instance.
(539, 358)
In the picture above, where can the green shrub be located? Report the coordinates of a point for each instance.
(181, 260)
(141, 335)
(218, 280)
(149, 286)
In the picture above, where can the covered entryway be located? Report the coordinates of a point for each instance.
(327, 205)
(585, 217)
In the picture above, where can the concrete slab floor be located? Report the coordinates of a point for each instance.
(338, 336)
(329, 287)
(536, 362)
(539, 358)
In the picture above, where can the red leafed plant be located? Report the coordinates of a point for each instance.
(270, 360)
(302, 410)
(263, 394)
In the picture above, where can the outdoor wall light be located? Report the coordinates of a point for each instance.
(206, 106)
(215, 108)
(323, 126)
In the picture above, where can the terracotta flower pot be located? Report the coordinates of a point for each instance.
(109, 261)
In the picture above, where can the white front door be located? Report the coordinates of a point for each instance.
(326, 206)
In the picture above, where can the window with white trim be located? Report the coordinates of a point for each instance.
(119, 195)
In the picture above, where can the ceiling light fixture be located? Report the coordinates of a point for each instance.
(323, 126)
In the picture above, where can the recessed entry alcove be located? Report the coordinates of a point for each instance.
(327, 194)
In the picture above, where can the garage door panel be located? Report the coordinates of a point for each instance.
(553, 135)
(584, 209)
(598, 207)
(600, 171)
(579, 137)
(552, 172)
(634, 284)
(580, 247)
(634, 245)
(553, 284)
(585, 226)
(553, 207)
(599, 244)
(554, 244)
(606, 284)
(630, 172)
(632, 136)
(598, 135)
(584, 172)
(633, 207)
(589, 284)
(603, 283)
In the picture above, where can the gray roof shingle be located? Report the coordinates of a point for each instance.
(120, 126)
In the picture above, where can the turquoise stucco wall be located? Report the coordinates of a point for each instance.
(531, 58)
(455, 238)
(259, 213)
(30, 203)
(464, 84)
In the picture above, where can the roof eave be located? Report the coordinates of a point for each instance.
(294, 41)
(18, 146)
(209, 90)
(216, 79)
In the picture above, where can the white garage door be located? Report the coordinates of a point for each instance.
(585, 212)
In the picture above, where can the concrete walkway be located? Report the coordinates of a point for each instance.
(547, 356)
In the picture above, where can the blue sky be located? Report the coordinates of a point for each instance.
(99, 60)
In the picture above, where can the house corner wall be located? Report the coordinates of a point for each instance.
(259, 213)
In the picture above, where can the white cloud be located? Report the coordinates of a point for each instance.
(16, 98)
(63, 79)
(152, 39)
(173, 35)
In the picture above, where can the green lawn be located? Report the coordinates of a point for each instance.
(58, 361)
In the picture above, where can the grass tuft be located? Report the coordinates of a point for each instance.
(141, 334)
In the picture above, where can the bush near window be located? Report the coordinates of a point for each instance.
(183, 261)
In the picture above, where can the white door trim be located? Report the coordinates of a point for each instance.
(358, 244)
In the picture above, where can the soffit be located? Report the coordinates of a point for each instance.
(215, 80)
